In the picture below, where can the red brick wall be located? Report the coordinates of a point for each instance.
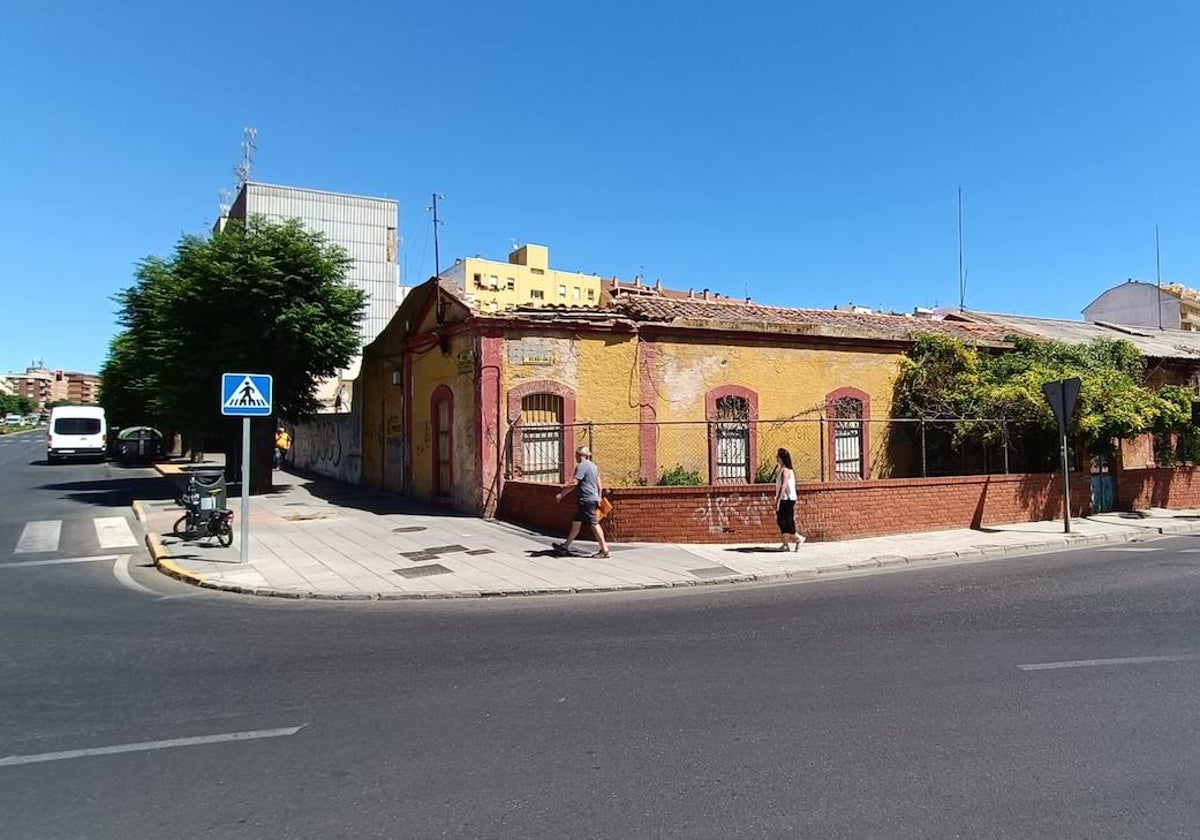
(1177, 488)
(832, 511)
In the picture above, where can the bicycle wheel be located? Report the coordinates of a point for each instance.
(179, 529)
(225, 534)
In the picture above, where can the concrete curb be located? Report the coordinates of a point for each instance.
(169, 567)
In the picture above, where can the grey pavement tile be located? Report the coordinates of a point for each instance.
(426, 570)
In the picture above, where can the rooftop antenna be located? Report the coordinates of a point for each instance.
(962, 274)
(249, 147)
(1158, 276)
(225, 201)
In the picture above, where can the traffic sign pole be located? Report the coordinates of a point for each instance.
(246, 395)
(245, 529)
(1062, 431)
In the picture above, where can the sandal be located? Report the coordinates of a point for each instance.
(601, 554)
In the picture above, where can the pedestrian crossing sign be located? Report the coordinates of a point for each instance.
(246, 394)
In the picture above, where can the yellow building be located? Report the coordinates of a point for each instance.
(525, 280)
(458, 402)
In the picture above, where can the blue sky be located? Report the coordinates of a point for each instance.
(810, 152)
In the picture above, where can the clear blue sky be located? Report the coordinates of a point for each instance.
(810, 150)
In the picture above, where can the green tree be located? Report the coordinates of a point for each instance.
(261, 296)
(942, 378)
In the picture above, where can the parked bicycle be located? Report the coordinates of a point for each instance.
(200, 520)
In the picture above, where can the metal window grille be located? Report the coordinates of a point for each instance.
(848, 439)
(542, 438)
(733, 440)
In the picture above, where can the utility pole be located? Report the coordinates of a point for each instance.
(437, 259)
(1158, 277)
(962, 278)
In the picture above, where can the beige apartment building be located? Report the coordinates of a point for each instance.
(525, 280)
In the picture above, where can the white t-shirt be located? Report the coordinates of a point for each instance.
(785, 484)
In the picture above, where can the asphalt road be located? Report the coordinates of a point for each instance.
(893, 705)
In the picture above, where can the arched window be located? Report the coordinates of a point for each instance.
(542, 437)
(847, 410)
(733, 434)
(442, 416)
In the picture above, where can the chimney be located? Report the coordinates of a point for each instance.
(616, 282)
(705, 294)
(637, 281)
(658, 285)
(691, 294)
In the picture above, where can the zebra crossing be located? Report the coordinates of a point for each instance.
(48, 536)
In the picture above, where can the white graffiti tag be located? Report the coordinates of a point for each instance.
(720, 514)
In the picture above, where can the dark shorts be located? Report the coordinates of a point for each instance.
(786, 516)
(585, 512)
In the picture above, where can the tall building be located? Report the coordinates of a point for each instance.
(82, 388)
(525, 280)
(1138, 304)
(40, 384)
(364, 226)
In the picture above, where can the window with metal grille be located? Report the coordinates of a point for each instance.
(847, 438)
(541, 432)
(732, 439)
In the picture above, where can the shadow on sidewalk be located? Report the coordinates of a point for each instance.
(366, 499)
(115, 492)
(759, 549)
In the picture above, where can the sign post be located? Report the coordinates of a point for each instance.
(1062, 396)
(246, 395)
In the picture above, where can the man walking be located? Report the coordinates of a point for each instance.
(587, 488)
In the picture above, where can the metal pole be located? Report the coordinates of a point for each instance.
(1065, 467)
(924, 465)
(245, 530)
(1004, 434)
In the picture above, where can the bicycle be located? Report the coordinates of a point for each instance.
(199, 522)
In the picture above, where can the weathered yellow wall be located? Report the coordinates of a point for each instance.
(791, 383)
(603, 374)
(431, 369)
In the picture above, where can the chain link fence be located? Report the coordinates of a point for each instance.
(743, 452)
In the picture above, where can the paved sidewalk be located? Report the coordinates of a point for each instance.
(314, 538)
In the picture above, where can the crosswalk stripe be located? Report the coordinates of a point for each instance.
(114, 531)
(40, 536)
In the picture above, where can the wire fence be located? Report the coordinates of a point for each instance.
(743, 452)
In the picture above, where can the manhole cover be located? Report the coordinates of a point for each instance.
(445, 549)
(417, 556)
(408, 529)
(712, 572)
(423, 571)
(475, 552)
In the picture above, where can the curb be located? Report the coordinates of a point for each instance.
(169, 567)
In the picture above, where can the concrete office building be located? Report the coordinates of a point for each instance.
(363, 225)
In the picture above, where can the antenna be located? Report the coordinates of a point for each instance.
(1158, 276)
(962, 276)
(225, 201)
(249, 147)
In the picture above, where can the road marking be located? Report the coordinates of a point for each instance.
(1130, 548)
(1093, 663)
(121, 570)
(114, 531)
(146, 746)
(40, 536)
(58, 561)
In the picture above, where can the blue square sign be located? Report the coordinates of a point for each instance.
(246, 394)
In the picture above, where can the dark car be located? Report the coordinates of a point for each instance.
(139, 443)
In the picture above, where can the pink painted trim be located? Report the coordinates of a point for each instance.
(487, 426)
(544, 386)
(647, 413)
(831, 415)
(710, 411)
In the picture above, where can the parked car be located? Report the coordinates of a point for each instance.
(139, 443)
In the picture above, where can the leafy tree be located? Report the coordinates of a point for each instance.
(943, 378)
(261, 296)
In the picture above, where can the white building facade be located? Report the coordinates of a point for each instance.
(364, 226)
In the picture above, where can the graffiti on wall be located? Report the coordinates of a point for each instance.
(722, 514)
(330, 445)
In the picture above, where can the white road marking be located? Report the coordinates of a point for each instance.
(145, 746)
(58, 561)
(114, 531)
(121, 570)
(40, 536)
(1190, 551)
(1130, 548)
(1094, 663)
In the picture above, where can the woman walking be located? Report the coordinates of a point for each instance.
(785, 500)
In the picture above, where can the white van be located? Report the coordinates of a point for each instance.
(76, 431)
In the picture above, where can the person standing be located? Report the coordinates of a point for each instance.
(785, 501)
(588, 489)
(283, 442)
